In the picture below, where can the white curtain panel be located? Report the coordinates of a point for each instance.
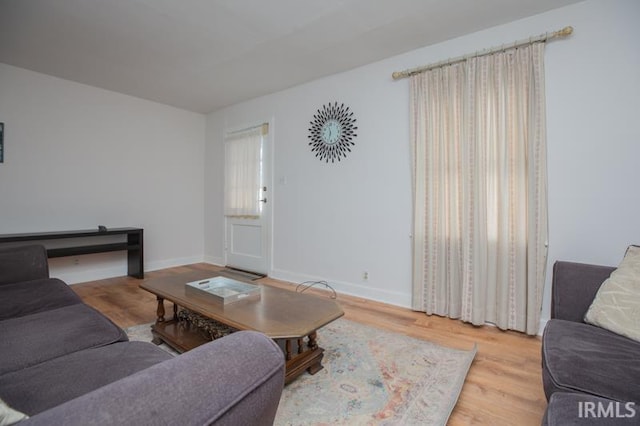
(242, 173)
(480, 195)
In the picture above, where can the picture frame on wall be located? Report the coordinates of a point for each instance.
(1, 142)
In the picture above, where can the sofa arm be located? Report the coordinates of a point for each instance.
(23, 263)
(235, 380)
(574, 287)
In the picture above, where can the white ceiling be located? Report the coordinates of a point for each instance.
(202, 55)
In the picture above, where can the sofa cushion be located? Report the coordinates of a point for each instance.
(23, 263)
(616, 307)
(42, 386)
(235, 380)
(42, 336)
(30, 297)
(575, 409)
(578, 357)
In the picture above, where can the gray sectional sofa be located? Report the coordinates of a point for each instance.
(63, 362)
(590, 375)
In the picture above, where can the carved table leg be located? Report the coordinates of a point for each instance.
(160, 313)
(313, 340)
(287, 345)
(308, 357)
(160, 310)
(175, 312)
(313, 346)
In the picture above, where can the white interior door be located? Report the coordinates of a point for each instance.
(247, 245)
(247, 237)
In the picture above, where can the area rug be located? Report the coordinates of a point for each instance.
(371, 377)
(142, 333)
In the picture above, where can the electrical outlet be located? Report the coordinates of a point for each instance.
(365, 275)
(76, 261)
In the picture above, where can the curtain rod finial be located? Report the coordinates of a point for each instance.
(396, 75)
(565, 31)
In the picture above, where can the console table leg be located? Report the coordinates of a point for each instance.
(135, 253)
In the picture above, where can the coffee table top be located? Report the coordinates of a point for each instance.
(280, 314)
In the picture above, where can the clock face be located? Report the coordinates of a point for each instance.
(332, 132)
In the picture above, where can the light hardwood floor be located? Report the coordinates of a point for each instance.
(503, 387)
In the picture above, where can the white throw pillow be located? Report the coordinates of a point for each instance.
(616, 307)
(9, 416)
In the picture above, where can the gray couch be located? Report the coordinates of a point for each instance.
(63, 362)
(590, 375)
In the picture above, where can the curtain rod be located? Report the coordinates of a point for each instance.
(543, 37)
(264, 130)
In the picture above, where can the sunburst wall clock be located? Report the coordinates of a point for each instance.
(332, 132)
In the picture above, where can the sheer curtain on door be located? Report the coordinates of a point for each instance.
(242, 178)
(480, 197)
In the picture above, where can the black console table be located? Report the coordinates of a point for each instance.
(134, 245)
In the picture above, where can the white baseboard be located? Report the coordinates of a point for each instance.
(88, 275)
(93, 274)
(170, 263)
(218, 261)
(384, 296)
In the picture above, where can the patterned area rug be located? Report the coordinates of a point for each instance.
(371, 377)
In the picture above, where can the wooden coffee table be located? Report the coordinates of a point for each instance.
(290, 318)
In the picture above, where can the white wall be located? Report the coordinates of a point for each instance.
(335, 221)
(214, 193)
(77, 156)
